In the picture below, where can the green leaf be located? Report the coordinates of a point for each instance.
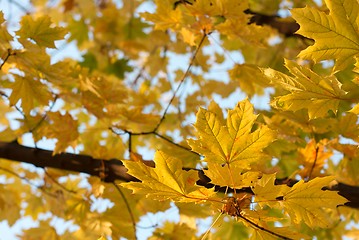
(118, 68)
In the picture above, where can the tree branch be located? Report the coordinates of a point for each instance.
(114, 169)
(287, 28)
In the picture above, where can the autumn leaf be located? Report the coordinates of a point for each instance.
(313, 157)
(165, 16)
(224, 176)
(31, 93)
(40, 31)
(250, 78)
(231, 142)
(5, 37)
(336, 35)
(266, 191)
(306, 202)
(63, 128)
(166, 181)
(307, 90)
(43, 232)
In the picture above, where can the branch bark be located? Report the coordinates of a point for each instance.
(113, 169)
(285, 27)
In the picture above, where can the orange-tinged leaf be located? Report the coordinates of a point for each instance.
(234, 142)
(306, 202)
(40, 31)
(307, 90)
(313, 157)
(336, 35)
(166, 181)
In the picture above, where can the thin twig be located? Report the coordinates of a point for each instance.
(263, 229)
(170, 141)
(134, 82)
(148, 133)
(28, 182)
(314, 163)
(16, 107)
(225, 51)
(59, 184)
(182, 80)
(128, 208)
(45, 115)
(20, 6)
(130, 144)
(6, 58)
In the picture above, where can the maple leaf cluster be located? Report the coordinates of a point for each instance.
(246, 120)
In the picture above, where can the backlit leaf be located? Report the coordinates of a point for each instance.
(166, 181)
(232, 142)
(336, 34)
(307, 90)
(306, 202)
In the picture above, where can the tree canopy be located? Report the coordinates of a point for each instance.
(241, 113)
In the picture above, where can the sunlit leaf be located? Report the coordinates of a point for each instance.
(336, 34)
(306, 202)
(166, 181)
(233, 142)
(307, 90)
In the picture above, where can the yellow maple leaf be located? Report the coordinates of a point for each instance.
(64, 129)
(266, 191)
(223, 176)
(165, 16)
(307, 202)
(307, 90)
(43, 232)
(30, 91)
(40, 31)
(166, 181)
(232, 141)
(336, 35)
(5, 37)
(250, 78)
